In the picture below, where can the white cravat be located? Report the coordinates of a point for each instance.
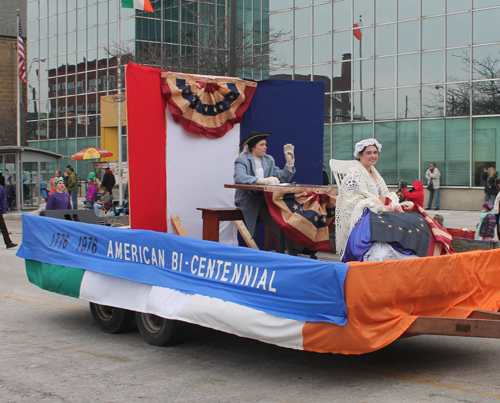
(259, 171)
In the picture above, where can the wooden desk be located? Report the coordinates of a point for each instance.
(213, 216)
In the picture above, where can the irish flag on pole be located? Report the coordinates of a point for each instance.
(144, 5)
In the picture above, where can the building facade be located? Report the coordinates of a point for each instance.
(422, 76)
(72, 58)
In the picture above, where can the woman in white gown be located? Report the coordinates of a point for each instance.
(364, 188)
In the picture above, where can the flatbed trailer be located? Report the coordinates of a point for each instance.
(454, 295)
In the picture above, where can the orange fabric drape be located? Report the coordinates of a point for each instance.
(383, 299)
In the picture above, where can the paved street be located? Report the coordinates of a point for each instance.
(52, 352)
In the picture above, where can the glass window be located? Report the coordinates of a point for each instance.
(43, 49)
(433, 146)
(457, 64)
(342, 76)
(408, 9)
(284, 21)
(323, 73)
(408, 103)
(102, 13)
(342, 142)
(283, 51)
(277, 5)
(363, 74)
(170, 31)
(432, 7)
(92, 37)
(323, 18)
(71, 20)
(32, 11)
(363, 9)
(432, 101)
(113, 32)
(61, 7)
(485, 146)
(92, 15)
(408, 69)
(458, 99)
(33, 30)
(456, 164)
(361, 131)
(302, 73)
(303, 21)
(82, 39)
(385, 72)
(113, 15)
(61, 44)
(327, 145)
(341, 107)
(53, 46)
(341, 14)
(322, 48)
(341, 44)
(484, 3)
(457, 5)
(44, 31)
(302, 51)
(71, 42)
(82, 17)
(385, 132)
(43, 8)
(128, 29)
(363, 106)
(408, 36)
(385, 11)
(484, 62)
(407, 150)
(458, 29)
(481, 20)
(385, 104)
(385, 43)
(433, 67)
(485, 97)
(61, 21)
(364, 46)
(432, 33)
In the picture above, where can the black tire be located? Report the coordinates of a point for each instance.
(110, 319)
(156, 330)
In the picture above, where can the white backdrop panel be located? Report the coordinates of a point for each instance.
(197, 169)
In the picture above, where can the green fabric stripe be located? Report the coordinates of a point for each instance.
(128, 3)
(60, 279)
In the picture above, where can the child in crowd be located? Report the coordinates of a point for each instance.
(91, 191)
(487, 224)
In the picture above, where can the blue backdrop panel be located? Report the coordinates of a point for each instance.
(294, 111)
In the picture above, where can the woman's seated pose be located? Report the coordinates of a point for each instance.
(367, 220)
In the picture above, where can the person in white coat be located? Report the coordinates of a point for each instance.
(433, 178)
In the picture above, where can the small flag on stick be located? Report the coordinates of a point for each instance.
(144, 5)
(21, 65)
(357, 31)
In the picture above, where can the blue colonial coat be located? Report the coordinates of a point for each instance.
(250, 201)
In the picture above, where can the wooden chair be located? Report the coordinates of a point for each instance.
(340, 168)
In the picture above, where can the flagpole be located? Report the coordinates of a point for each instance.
(361, 71)
(120, 157)
(18, 110)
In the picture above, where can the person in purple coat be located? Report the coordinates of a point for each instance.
(59, 200)
(3, 209)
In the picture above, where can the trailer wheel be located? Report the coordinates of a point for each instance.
(156, 330)
(110, 319)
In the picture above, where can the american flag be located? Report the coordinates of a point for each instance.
(20, 52)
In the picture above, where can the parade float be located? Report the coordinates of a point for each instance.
(180, 162)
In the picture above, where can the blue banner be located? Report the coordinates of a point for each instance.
(286, 286)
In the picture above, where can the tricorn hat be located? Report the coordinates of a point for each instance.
(253, 138)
